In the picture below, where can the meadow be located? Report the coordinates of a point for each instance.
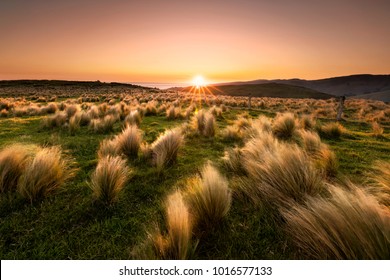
(132, 174)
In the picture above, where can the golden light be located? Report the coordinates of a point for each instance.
(199, 81)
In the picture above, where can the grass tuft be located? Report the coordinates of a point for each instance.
(109, 179)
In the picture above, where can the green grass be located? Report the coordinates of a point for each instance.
(69, 225)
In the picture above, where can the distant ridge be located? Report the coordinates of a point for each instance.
(353, 85)
(265, 90)
(57, 83)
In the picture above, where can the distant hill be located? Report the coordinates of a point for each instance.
(346, 85)
(60, 83)
(382, 95)
(266, 90)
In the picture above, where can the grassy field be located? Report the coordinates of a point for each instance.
(70, 224)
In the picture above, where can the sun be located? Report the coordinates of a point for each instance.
(199, 81)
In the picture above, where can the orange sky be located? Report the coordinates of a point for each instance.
(172, 40)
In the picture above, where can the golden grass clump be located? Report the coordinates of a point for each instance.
(332, 130)
(231, 133)
(347, 225)
(209, 125)
(310, 141)
(108, 147)
(281, 173)
(209, 197)
(133, 118)
(179, 227)
(284, 126)
(103, 125)
(166, 147)
(45, 173)
(13, 161)
(129, 141)
(306, 122)
(379, 182)
(109, 179)
(74, 123)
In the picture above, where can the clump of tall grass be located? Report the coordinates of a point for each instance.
(209, 197)
(176, 243)
(71, 109)
(45, 173)
(13, 161)
(204, 123)
(129, 141)
(284, 126)
(74, 123)
(109, 179)
(166, 147)
(347, 225)
(56, 120)
(306, 122)
(209, 126)
(324, 158)
(179, 227)
(281, 173)
(332, 130)
(173, 113)
(133, 118)
(103, 125)
(108, 147)
(379, 182)
(231, 133)
(232, 160)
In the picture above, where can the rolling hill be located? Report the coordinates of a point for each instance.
(377, 86)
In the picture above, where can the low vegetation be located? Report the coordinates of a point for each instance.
(172, 175)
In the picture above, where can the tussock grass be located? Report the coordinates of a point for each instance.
(209, 197)
(166, 147)
(284, 126)
(379, 182)
(103, 125)
(348, 225)
(109, 179)
(13, 161)
(331, 130)
(281, 173)
(45, 173)
(108, 147)
(74, 123)
(129, 141)
(179, 227)
(133, 118)
(209, 126)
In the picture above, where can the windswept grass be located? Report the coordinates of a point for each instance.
(284, 126)
(45, 173)
(281, 173)
(209, 197)
(129, 141)
(109, 179)
(348, 225)
(166, 147)
(13, 161)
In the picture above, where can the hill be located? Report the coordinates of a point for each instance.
(266, 90)
(344, 85)
(382, 95)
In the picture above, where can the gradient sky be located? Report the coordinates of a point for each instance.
(174, 40)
